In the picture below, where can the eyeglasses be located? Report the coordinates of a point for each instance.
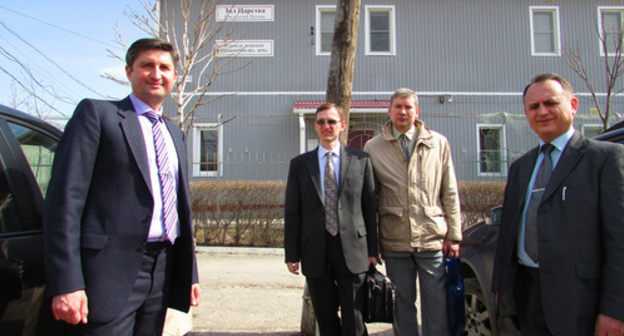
(322, 122)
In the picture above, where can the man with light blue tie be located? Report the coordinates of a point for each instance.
(331, 225)
(559, 266)
(117, 221)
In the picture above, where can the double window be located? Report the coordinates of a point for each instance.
(379, 25)
(207, 150)
(610, 28)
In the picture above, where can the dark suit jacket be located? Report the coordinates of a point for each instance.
(99, 206)
(581, 236)
(305, 215)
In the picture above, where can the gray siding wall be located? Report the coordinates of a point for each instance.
(478, 51)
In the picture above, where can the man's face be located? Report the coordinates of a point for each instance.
(152, 76)
(549, 109)
(328, 126)
(403, 112)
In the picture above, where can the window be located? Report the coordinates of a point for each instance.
(610, 27)
(325, 19)
(207, 150)
(380, 30)
(545, 39)
(39, 151)
(492, 157)
(591, 130)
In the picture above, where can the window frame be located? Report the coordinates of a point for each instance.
(503, 152)
(554, 10)
(196, 163)
(600, 11)
(390, 9)
(318, 36)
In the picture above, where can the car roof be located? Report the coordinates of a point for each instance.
(29, 119)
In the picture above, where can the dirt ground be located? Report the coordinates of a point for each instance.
(250, 292)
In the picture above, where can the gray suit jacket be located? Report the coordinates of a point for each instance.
(581, 236)
(99, 206)
(305, 215)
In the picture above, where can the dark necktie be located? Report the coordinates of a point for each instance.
(530, 229)
(170, 213)
(405, 145)
(331, 197)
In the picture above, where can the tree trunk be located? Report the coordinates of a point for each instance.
(340, 79)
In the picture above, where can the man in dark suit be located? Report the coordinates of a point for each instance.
(331, 226)
(559, 266)
(117, 223)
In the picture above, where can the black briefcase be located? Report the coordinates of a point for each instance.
(380, 297)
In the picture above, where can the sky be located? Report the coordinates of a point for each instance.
(64, 44)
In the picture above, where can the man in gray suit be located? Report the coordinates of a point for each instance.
(331, 226)
(117, 223)
(559, 265)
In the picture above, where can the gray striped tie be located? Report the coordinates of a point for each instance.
(170, 213)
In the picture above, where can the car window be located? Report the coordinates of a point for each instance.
(39, 150)
(9, 217)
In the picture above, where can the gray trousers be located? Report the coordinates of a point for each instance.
(429, 269)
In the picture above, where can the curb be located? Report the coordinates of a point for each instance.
(240, 250)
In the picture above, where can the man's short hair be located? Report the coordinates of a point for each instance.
(567, 87)
(328, 106)
(404, 93)
(149, 44)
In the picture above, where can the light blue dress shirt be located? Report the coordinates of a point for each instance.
(560, 143)
(322, 158)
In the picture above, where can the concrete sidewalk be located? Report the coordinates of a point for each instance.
(249, 291)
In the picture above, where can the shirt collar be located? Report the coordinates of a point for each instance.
(409, 134)
(562, 141)
(140, 107)
(322, 151)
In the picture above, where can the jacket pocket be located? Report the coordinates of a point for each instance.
(438, 220)
(361, 231)
(386, 210)
(589, 271)
(93, 241)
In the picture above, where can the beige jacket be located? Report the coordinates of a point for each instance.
(418, 202)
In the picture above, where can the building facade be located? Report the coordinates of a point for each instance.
(468, 61)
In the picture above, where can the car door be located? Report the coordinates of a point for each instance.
(26, 154)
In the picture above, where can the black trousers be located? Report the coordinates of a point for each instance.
(338, 287)
(529, 303)
(144, 313)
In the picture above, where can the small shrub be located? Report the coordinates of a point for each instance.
(477, 198)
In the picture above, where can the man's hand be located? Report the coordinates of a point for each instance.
(608, 326)
(71, 307)
(195, 295)
(293, 267)
(450, 249)
(372, 261)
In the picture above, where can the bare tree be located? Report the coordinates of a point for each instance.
(195, 41)
(612, 61)
(340, 79)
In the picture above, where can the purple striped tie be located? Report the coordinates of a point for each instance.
(170, 213)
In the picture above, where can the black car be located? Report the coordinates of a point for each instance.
(477, 255)
(27, 147)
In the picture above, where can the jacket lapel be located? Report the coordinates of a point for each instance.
(315, 174)
(345, 162)
(568, 160)
(134, 136)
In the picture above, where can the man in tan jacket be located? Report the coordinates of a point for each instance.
(419, 216)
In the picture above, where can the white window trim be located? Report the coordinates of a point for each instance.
(584, 126)
(391, 11)
(197, 128)
(599, 20)
(503, 171)
(555, 9)
(317, 34)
